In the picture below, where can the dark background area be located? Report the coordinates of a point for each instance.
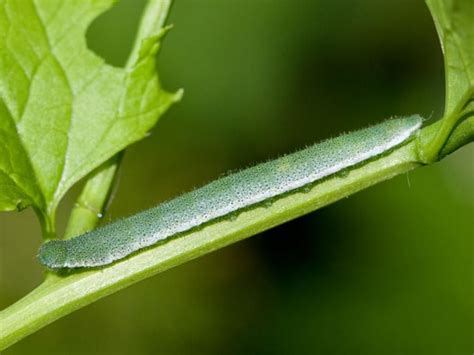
(387, 271)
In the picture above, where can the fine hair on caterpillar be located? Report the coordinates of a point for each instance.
(228, 195)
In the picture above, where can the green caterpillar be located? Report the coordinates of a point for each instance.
(227, 195)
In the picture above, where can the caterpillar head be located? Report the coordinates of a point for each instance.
(53, 254)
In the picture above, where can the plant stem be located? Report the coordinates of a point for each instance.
(47, 223)
(151, 24)
(433, 147)
(62, 294)
(92, 203)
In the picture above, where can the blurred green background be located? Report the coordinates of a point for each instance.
(387, 271)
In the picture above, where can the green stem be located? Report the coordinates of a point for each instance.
(431, 150)
(62, 294)
(47, 222)
(152, 22)
(91, 204)
(95, 196)
(462, 135)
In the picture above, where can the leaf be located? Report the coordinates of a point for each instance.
(455, 26)
(63, 110)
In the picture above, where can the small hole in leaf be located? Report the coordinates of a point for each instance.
(111, 35)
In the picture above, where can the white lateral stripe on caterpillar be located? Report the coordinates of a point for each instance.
(227, 195)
